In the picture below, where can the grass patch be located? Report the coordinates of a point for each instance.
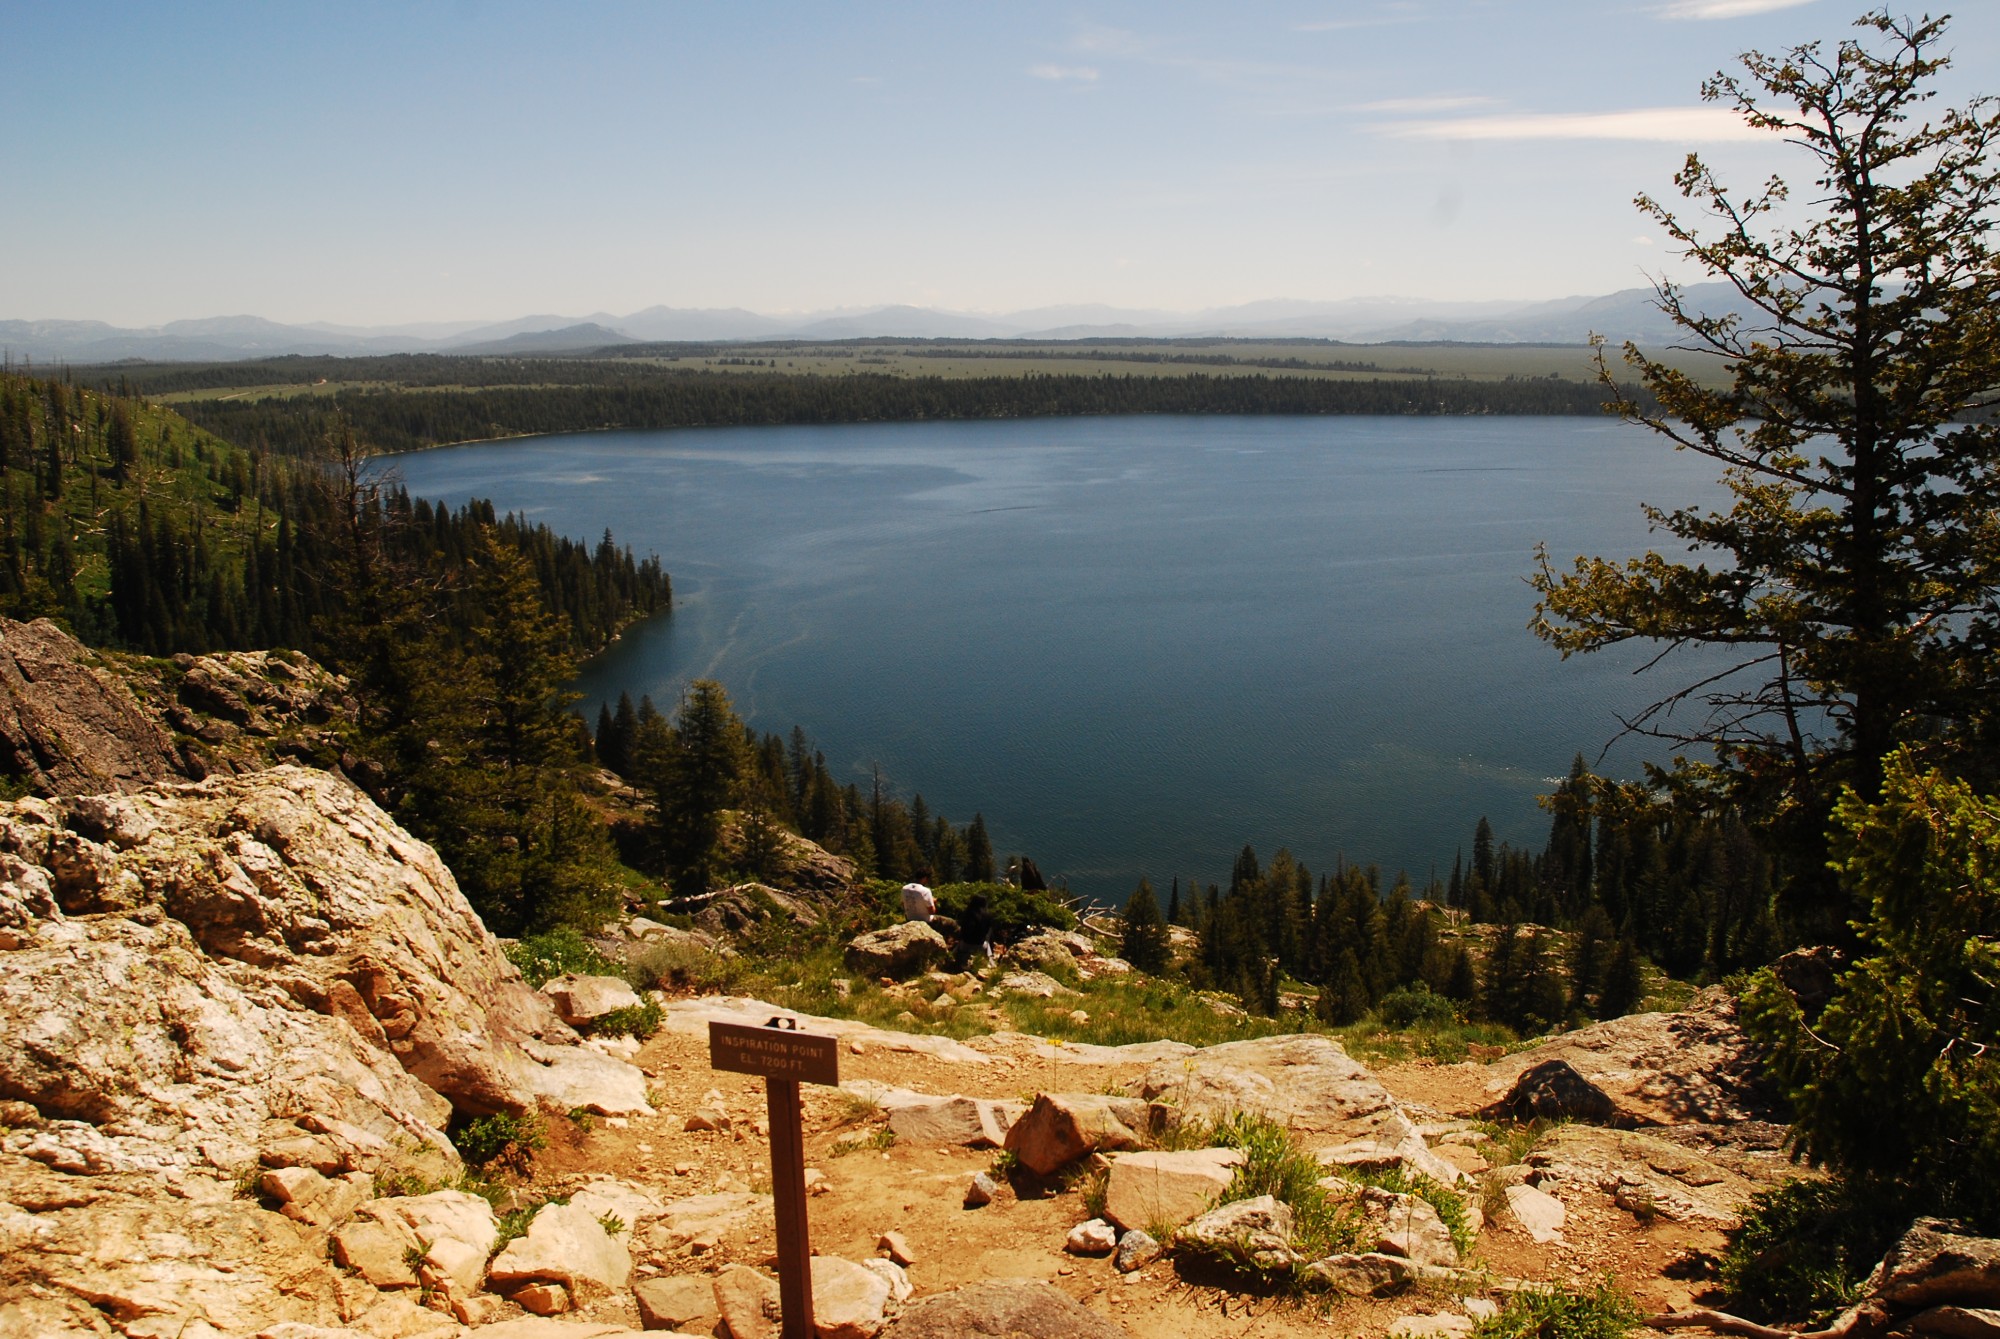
(640, 1020)
(875, 1141)
(682, 968)
(1559, 1313)
(543, 957)
(1273, 1165)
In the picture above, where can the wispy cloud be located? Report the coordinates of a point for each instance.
(1725, 9)
(1424, 106)
(1673, 124)
(1085, 74)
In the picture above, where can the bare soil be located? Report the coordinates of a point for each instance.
(919, 1191)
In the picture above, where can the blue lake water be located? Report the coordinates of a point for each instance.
(1134, 643)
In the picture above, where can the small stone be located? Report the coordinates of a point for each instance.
(706, 1119)
(1095, 1237)
(897, 1248)
(1480, 1308)
(900, 1287)
(1079, 1017)
(817, 1182)
(542, 1299)
(479, 1309)
(981, 1191)
(1136, 1250)
(848, 1300)
(1538, 1211)
(685, 1169)
(681, 1303)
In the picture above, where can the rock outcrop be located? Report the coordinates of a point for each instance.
(1696, 1066)
(256, 980)
(1013, 1308)
(68, 724)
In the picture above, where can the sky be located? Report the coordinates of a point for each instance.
(435, 160)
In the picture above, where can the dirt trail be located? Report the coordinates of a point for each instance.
(919, 1192)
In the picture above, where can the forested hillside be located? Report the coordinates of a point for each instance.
(429, 400)
(144, 532)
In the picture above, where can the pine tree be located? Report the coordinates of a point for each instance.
(1624, 986)
(698, 777)
(978, 851)
(1144, 941)
(1343, 996)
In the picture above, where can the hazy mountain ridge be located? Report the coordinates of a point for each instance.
(1628, 314)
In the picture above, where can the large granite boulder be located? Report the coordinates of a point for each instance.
(899, 951)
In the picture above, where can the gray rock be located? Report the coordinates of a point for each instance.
(966, 1122)
(1537, 1211)
(70, 726)
(680, 1302)
(1407, 1226)
(899, 951)
(1253, 1232)
(582, 1000)
(1308, 1083)
(1095, 1237)
(895, 1275)
(1145, 1189)
(1062, 1127)
(849, 1300)
(748, 1302)
(1034, 985)
(981, 1191)
(1958, 1322)
(566, 1245)
(1361, 1275)
(1001, 1309)
(1936, 1263)
(1136, 1250)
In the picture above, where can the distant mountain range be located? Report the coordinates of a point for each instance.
(1629, 314)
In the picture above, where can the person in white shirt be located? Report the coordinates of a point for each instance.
(918, 902)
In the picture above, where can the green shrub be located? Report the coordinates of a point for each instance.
(1805, 1247)
(1013, 912)
(640, 1020)
(1275, 1166)
(504, 1138)
(1556, 1313)
(1415, 1006)
(1897, 1082)
(684, 968)
(543, 957)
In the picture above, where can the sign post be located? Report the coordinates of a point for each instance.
(784, 1058)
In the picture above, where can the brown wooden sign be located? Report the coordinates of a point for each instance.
(774, 1053)
(784, 1058)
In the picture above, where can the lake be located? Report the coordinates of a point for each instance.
(1136, 643)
